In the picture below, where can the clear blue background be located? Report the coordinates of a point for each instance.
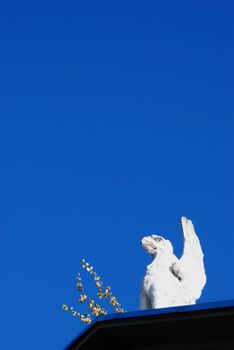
(116, 119)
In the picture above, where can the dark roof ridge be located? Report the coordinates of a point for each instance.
(140, 315)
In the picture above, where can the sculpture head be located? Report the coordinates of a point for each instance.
(157, 245)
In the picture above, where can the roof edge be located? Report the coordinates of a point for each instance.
(139, 313)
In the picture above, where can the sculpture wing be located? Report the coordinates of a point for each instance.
(190, 267)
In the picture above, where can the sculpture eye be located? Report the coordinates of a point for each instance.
(157, 239)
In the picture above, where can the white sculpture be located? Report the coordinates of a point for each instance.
(170, 281)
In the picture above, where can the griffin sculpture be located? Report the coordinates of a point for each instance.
(170, 281)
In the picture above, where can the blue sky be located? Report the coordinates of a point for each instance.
(116, 120)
